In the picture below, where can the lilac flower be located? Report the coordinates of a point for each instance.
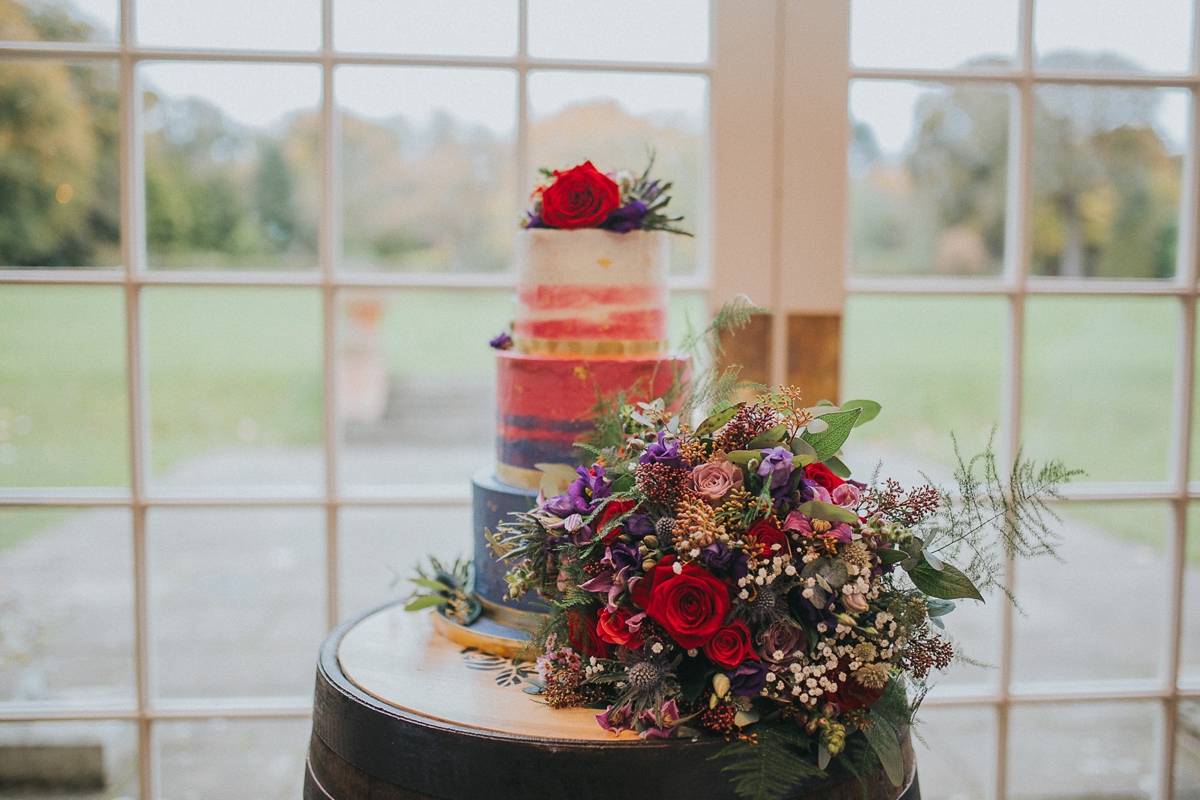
(502, 342)
(777, 464)
(616, 720)
(724, 562)
(662, 453)
(670, 717)
(749, 678)
(628, 217)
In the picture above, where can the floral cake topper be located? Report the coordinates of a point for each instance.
(585, 197)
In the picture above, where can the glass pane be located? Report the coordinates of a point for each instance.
(1187, 750)
(1059, 595)
(428, 168)
(1107, 171)
(1189, 656)
(418, 386)
(235, 388)
(226, 759)
(1083, 750)
(957, 761)
(246, 24)
(1098, 375)
(66, 605)
(237, 600)
(935, 365)
(59, 21)
(933, 34)
(928, 178)
(616, 120)
(380, 547)
(70, 760)
(232, 165)
(63, 414)
(60, 205)
(1114, 35)
(427, 27)
(619, 30)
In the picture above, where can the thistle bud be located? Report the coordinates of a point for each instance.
(720, 683)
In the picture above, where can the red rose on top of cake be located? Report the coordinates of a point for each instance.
(581, 197)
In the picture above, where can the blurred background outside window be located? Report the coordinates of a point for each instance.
(191, 494)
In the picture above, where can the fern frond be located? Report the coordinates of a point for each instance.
(772, 768)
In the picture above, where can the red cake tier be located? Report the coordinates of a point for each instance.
(545, 404)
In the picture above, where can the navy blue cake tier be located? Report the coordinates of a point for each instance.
(494, 501)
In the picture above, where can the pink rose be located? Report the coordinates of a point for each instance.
(847, 496)
(716, 479)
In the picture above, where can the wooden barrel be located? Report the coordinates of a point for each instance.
(401, 713)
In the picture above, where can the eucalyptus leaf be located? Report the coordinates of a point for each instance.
(939, 607)
(828, 442)
(823, 756)
(948, 583)
(827, 511)
(933, 560)
(886, 745)
(937, 623)
(803, 448)
(715, 421)
(436, 586)
(870, 410)
(838, 467)
(426, 601)
(799, 462)
(531, 689)
(563, 472)
(888, 556)
(912, 549)
(742, 457)
(775, 436)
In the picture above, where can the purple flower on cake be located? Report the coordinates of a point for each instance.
(628, 217)
(661, 452)
(502, 342)
(776, 464)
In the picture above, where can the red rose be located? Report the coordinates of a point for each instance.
(690, 605)
(822, 476)
(769, 536)
(612, 627)
(730, 646)
(614, 509)
(581, 197)
(581, 630)
(639, 588)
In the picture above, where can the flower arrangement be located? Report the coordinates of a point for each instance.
(584, 197)
(731, 578)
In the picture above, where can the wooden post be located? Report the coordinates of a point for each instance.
(780, 132)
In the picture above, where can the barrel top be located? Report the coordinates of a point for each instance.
(399, 659)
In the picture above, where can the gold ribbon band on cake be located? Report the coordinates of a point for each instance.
(520, 477)
(534, 346)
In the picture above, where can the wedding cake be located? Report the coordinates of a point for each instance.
(590, 324)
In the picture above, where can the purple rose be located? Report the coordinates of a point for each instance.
(776, 464)
(662, 453)
(628, 217)
(749, 678)
(724, 562)
(781, 637)
(502, 342)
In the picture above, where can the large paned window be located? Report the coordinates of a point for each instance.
(1021, 232)
(251, 253)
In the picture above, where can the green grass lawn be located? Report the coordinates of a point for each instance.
(236, 367)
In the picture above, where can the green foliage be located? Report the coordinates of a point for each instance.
(991, 517)
(777, 765)
(711, 386)
(829, 441)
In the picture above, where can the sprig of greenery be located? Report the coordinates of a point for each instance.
(712, 386)
(777, 763)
